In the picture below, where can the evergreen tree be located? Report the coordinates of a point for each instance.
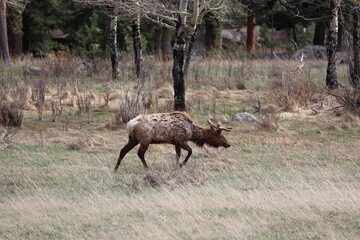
(213, 28)
(15, 32)
(41, 19)
(89, 38)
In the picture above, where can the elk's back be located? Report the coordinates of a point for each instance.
(161, 128)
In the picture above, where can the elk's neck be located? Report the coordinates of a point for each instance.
(200, 135)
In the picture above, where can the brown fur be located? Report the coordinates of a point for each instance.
(175, 128)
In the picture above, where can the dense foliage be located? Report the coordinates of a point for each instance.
(84, 30)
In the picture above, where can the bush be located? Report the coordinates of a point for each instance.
(286, 92)
(348, 98)
(10, 115)
(132, 105)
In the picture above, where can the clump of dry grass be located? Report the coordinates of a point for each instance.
(333, 126)
(346, 121)
(269, 122)
(6, 136)
(351, 119)
(165, 175)
(19, 93)
(88, 142)
(23, 95)
(83, 103)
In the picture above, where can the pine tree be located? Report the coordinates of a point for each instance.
(213, 26)
(15, 33)
(41, 18)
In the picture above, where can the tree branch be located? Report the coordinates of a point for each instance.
(158, 21)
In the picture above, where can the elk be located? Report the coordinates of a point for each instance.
(175, 128)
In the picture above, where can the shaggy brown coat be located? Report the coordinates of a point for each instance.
(175, 128)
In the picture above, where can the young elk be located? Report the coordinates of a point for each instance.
(175, 128)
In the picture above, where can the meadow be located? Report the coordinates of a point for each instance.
(293, 175)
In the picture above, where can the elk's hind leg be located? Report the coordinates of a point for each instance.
(141, 153)
(178, 154)
(130, 145)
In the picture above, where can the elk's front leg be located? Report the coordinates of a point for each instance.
(186, 147)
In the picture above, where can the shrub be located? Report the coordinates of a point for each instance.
(348, 98)
(10, 114)
(132, 105)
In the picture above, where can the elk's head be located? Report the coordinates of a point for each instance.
(217, 139)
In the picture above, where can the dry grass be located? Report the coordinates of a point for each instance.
(57, 180)
(164, 215)
(265, 186)
(281, 140)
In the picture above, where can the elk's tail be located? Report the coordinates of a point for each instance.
(132, 124)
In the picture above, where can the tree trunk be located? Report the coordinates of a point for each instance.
(251, 34)
(319, 34)
(157, 48)
(340, 32)
(15, 33)
(356, 48)
(137, 47)
(113, 47)
(331, 74)
(189, 47)
(178, 68)
(166, 44)
(4, 47)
